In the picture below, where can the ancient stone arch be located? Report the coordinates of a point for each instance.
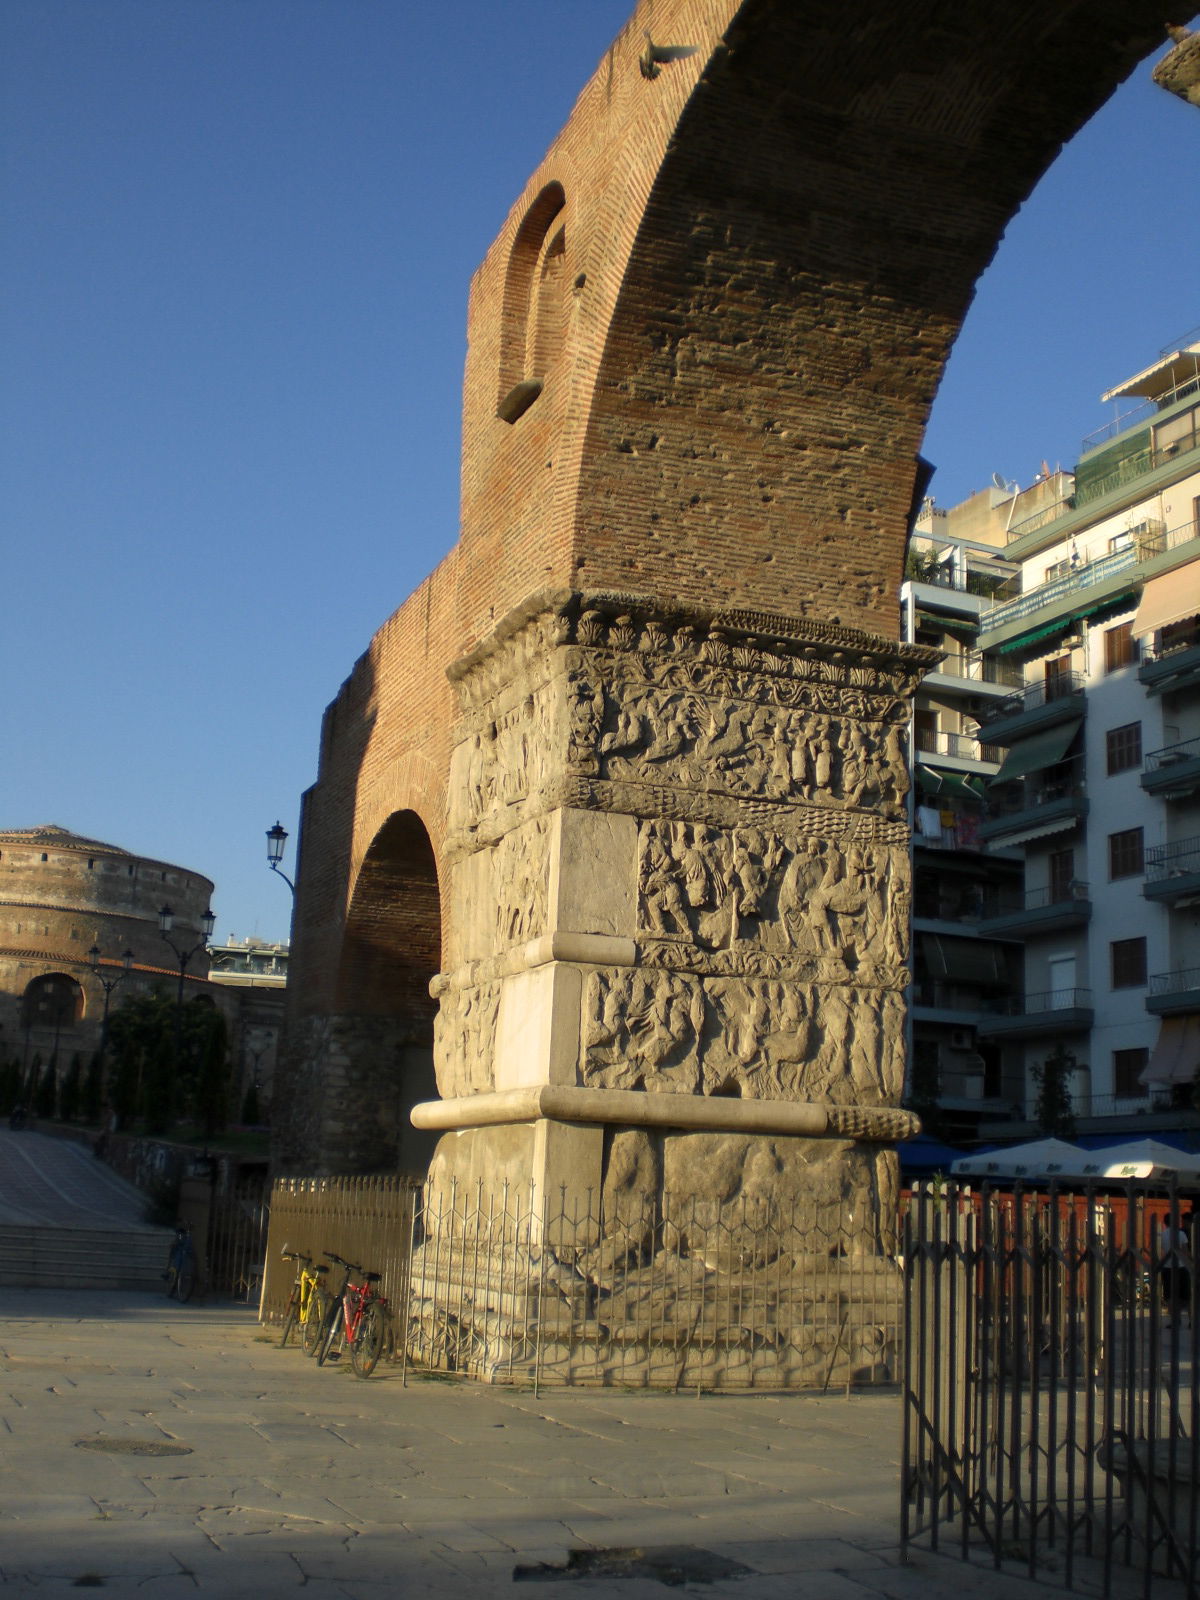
(654, 690)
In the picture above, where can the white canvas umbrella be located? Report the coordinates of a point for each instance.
(1142, 1158)
(1043, 1158)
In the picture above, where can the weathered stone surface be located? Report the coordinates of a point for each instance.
(652, 696)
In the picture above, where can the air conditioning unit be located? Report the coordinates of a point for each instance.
(960, 1039)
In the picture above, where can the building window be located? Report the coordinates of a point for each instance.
(1057, 676)
(1062, 875)
(1173, 437)
(1128, 1066)
(1124, 747)
(1126, 857)
(1128, 963)
(1120, 649)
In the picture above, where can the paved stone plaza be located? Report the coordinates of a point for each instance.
(298, 1477)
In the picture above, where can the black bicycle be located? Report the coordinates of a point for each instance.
(180, 1276)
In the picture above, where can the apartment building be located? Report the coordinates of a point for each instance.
(1057, 775)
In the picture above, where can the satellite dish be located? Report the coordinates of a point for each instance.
(998, 480)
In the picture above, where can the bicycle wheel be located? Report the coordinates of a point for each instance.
(185, 1283)
(367, 1345)
(329, 1333)
(290, 1321)
(312, 1328)
(170, 1278)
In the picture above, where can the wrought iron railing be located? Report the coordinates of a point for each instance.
(1172, 860)
(1169, 755)
(1050, 1403)
(1057, 783)
(1061, 686)
(1132, 468)
(962, 746)
(1083, 576)
(673, 1293)
(1008, 902)
(978, 666)
(1177, 982)
(1032, 1005)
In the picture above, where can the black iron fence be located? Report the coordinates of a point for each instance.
(1050, 1399)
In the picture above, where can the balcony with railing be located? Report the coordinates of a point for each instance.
(957, 747)
(1011, 913)
(1040, 705)
(975, 671)
(952, 567)
(1052, 801)
(1039, 519)
(1173, 872)
(1133, 468)
(1173, 773)
(1082, 574)
(936, 1000)
(1031, 1016)
(1175, 664)
(1171, 994)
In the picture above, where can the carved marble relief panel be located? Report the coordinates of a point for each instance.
(464, 1035)
(682, 1033)
(770, 896)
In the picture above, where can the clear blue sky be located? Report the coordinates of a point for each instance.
(238, 236)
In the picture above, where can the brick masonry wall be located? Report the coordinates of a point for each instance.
(738, 309)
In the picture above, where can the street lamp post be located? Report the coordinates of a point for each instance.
(108, 985)
(166, 921)
(276, 840)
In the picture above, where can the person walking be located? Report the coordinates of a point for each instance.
(1175, 1262)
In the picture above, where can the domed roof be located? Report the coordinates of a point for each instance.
(49, 833)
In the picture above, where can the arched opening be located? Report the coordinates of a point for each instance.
(534, 301)
(391, 951)
(52, 1003)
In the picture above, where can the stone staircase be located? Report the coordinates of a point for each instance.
(69, 1222)
(44, 1257)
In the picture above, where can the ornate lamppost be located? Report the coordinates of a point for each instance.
(166, 921)
(108, 985)
(276, 840)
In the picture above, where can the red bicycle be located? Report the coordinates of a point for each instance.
(360, 1316)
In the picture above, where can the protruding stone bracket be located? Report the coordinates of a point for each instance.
(695, 1113)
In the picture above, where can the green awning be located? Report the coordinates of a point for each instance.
(1039, 750)
(1032, 635)
(961, 783)
(928, 781)
(1096, 610)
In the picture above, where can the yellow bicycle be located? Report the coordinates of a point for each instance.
(309, 1302)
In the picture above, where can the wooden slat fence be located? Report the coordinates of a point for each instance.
(366, 1220)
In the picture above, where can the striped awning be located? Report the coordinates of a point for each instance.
(1169, 598)
(1176, 1054)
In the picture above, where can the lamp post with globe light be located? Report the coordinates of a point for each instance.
(108, 985)
(166, 921)
(276, 840)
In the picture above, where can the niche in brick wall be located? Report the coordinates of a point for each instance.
(535, 305)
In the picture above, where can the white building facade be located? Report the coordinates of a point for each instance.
(1097, 781)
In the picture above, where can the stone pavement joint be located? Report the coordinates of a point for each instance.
(306, 1478)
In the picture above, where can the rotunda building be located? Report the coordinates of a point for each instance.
(63, 896)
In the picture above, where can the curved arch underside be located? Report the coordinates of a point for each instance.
(766, 253)
(835, 185)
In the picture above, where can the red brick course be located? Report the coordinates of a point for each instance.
(737, 284)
